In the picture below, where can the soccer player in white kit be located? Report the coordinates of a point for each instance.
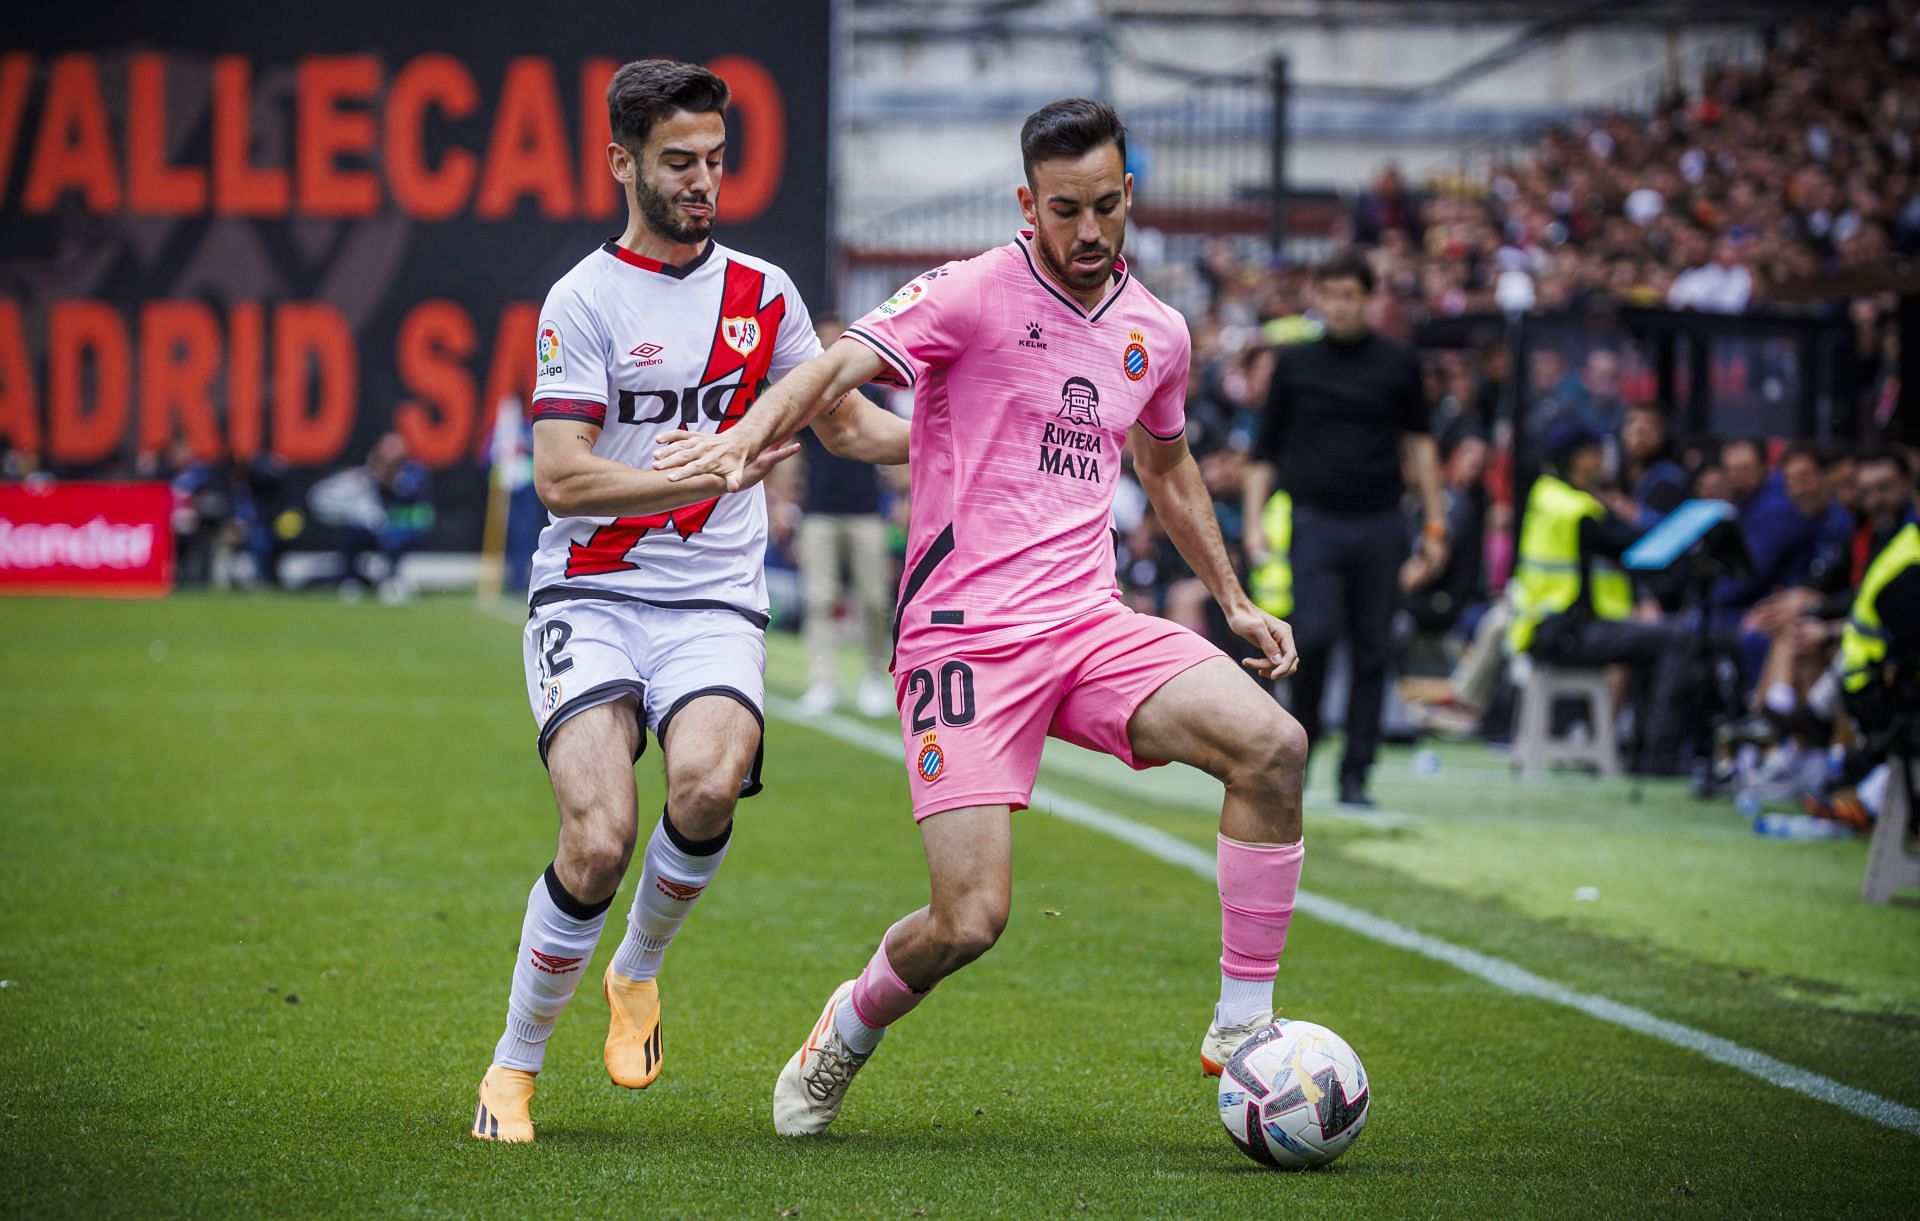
(648, 598)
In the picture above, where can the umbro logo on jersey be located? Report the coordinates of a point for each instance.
(553, 964)
(649, 354)
(1033, 339)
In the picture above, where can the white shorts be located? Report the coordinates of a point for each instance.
(581, 653)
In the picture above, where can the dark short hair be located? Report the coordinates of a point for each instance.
(1884, 453)
(648, 90)
(1069, 128)
(1801, 449)
(1346, 263)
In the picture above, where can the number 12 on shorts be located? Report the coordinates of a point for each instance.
(953, 689)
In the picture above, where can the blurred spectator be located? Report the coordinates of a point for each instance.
(201, 508)
(1722, 286)
(841, 529)
(377, 510)
(1745, 464)
(1387, 210)
(1652, 479)
(1787, 527)
(1883, 483)
(1435, 598)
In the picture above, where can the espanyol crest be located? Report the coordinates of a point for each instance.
(741, 334)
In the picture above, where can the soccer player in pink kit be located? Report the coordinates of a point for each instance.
(1032, 365)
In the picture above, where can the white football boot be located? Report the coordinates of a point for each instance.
(810, 1090)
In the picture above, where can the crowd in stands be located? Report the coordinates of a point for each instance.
(1801, 162)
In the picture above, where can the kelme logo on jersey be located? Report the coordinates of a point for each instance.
(932, 763)
(741, 334)
(1134, 359)
(908, 296)
(547, 352)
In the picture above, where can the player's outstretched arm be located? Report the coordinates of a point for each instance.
(787, 407)
(575, 482)
(860, 429)
(1171, 479)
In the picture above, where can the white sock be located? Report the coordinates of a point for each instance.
(1782, 699)
(676, 871)
(1243, 1001)
(855, 1033)
(556, 941)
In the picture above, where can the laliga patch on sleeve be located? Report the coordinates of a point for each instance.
(900, 302)
(547, 353)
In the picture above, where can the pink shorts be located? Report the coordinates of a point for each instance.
(974, 716)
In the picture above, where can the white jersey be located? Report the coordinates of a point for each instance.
(639, 347)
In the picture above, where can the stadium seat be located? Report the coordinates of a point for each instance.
(1535, 747)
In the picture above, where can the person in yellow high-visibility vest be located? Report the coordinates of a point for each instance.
(1271, 582)
(1880, 644)
(1569, 604)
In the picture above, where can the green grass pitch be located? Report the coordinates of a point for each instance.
(262, 863)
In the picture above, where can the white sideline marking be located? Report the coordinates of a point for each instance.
(1496, 971)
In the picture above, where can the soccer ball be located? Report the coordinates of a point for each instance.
(1293, 1096)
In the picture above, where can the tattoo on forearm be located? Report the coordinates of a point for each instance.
(578, 437)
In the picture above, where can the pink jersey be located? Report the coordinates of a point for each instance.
(1021, 408)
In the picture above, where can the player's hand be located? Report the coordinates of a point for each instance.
(762, 466)
(684, 454)
(1278, 658)
(1434, 552)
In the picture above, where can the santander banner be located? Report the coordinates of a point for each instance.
(86, 538)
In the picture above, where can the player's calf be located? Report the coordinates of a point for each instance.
(676, 872)
(938, 940)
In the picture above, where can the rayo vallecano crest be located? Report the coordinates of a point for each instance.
(741, 334)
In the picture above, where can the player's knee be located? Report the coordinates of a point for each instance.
(1287, 748)
(970, 930)
(1273, 754)
(592, 862)
(702, 805)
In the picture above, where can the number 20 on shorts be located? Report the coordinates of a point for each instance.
(953, 688)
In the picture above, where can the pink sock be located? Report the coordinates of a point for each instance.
(880, 997)
(1257, 887)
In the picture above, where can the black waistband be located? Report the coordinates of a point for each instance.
(580, 593)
